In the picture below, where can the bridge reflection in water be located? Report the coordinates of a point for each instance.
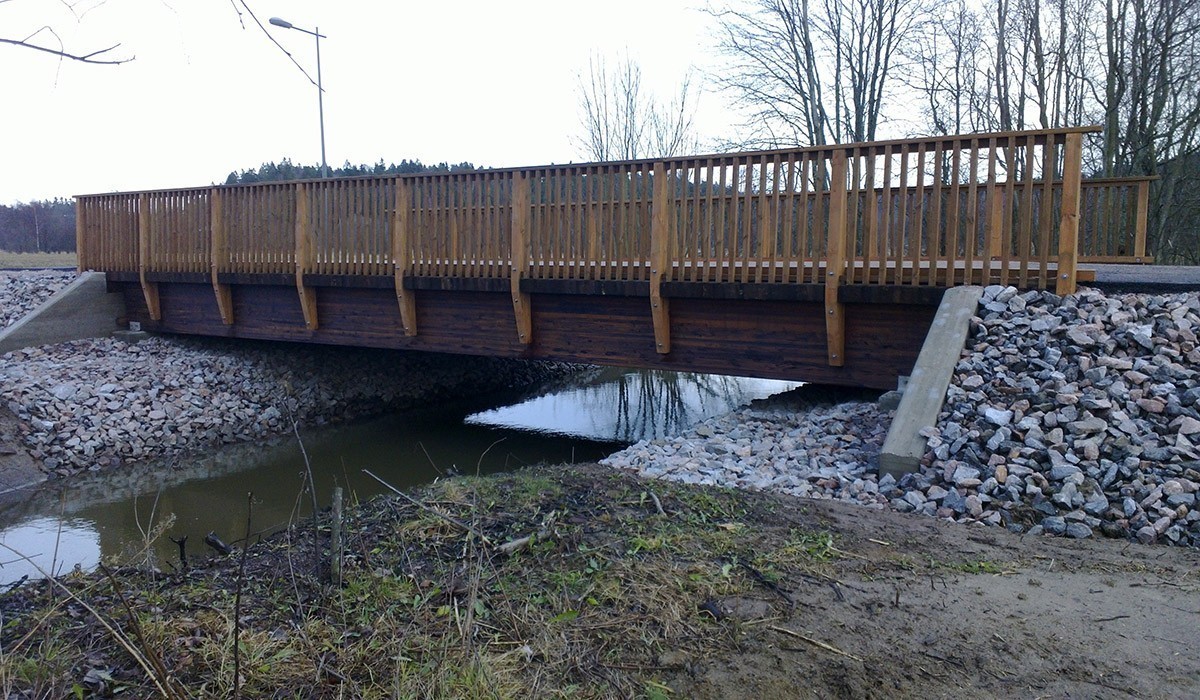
(592, 415)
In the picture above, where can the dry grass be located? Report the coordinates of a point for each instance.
(36, 260)
(599, 607)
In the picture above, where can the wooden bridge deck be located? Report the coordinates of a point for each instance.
(820, 264)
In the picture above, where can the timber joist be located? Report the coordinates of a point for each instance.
(149, 289)
(522, 306)
(219, 254)
(304, 258)
(660, 257)
(402, 257)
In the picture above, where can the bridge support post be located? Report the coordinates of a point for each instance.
(402, 256)
(835, 262)
(218, 254)
(521, 202)
(149, 289)
(660, 258)
(1068, 227)
(308, 295)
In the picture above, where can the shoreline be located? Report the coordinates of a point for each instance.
(90, 405)
(1071, 416)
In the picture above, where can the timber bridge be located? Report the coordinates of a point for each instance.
(821, 264)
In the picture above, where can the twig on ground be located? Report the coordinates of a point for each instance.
(215, 542)
(182, 544)
(145, 655)
(768, 583)
(237, 601)
(513, 546)
(816, 642)
(657, 503)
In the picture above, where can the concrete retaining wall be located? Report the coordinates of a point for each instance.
(83, 309)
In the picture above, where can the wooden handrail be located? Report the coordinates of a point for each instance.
(1008, 208)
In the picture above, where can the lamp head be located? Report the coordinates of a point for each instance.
(281, 23)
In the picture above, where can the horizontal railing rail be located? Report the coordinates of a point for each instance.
(1008, 208)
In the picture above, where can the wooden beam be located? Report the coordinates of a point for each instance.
(82, 254)
(149, 289)
(1068, 228)
(1143, 211)
(402, 256)
(660, 246)
(308, 295)
(522, 309)
(218, 254)
(835, 262)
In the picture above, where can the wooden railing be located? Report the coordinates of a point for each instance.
(1007, 208)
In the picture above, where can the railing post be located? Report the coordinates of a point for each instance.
(81, 252)
(1143, 211)
(402, 255)
(1068, 228)
(308, 295)
(662, 213)
(218, 254)
(835, 261)
(149, 289)
(521, 203)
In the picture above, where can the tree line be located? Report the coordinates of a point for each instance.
(38, 227)
(49, 226)
(287, 170)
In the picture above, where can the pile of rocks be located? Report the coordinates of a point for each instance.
(1072, 414)
(95, 403)
(24, 290)
(788, 443)
(1065, 416)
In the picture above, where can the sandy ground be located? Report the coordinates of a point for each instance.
(1033, 617)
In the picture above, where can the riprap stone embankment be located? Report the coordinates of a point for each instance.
(96, 403)
(1068, 416)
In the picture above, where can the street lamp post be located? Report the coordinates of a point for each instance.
(316, 32)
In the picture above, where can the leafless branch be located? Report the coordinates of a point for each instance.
(95, 57)
(271, 37)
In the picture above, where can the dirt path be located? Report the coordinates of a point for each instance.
(979, 610)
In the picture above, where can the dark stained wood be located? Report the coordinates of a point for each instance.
(783, 339)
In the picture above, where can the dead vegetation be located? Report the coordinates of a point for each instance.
(551, 582)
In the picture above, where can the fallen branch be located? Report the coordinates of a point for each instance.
(514, 546)
(816, 642)
(769, 584)
(215, 542)
(657, 503)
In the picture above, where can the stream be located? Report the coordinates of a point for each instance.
(115, 513)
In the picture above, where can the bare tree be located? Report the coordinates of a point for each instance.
(1132, 66)
(815, 71)
(945, 71)
(621, 121)
(774, 72)
(1151, 106)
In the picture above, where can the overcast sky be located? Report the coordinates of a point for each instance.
(493, 83)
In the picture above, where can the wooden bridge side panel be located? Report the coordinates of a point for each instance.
(770, 339)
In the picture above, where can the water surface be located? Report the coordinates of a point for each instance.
(112, 514)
